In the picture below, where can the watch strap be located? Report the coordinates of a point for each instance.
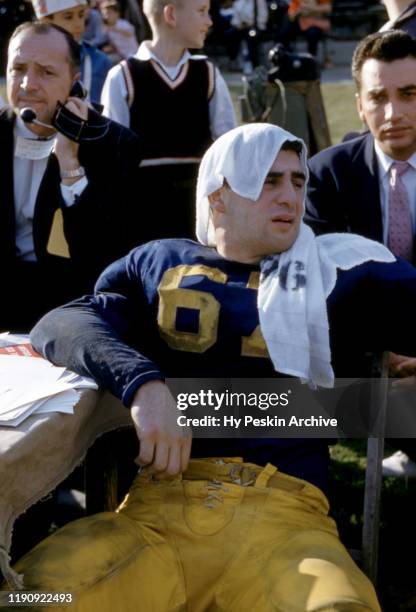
(77, 173)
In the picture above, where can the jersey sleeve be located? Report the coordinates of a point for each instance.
(91, 335)
(374, 306)
(394, 303)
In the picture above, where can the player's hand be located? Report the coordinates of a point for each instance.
(165, 446)
(403, 367)
(66, 150)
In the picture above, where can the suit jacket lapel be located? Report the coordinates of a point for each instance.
(48, 199)
(367, 206)
(7, 212)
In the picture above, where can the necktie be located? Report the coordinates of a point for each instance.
(400, 238)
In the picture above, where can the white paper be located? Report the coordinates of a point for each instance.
(30, 385)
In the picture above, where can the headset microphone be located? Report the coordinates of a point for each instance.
(28, 115)
(70, 124)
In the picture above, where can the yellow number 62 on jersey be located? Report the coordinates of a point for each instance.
(172, 297)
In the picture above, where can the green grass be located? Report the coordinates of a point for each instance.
(339, 101)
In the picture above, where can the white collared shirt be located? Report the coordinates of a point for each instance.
(114, 95)
(27, 177)
(409, 180)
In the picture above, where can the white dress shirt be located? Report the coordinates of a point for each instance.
(114, 95)
(409, 180)
(28, 171)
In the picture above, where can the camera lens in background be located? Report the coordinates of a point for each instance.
(290, 66)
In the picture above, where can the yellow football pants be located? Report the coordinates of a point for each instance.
(227, 537)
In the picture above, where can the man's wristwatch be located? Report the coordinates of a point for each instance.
(69, 174)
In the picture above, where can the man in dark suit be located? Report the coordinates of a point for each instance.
(368, 185)
(348, 190)
(42, 172)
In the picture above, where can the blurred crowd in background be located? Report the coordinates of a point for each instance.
(239, 26)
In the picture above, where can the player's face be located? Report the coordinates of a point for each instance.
(387, 104)
(73, 20)
(192, 22)
(271, 224)
(38, 72)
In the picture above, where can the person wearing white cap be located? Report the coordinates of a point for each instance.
(72, 15)
(243, 524)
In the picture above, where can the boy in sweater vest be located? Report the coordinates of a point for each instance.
(178, 104)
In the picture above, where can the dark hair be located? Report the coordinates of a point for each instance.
(44, 27)
(292, 145)
(383, 46)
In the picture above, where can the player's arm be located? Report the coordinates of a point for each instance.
(402, 366)
(79, 337)
(391, 307)
(394, 328)
(90, 336)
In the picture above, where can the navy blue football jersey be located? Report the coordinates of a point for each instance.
(174, 308)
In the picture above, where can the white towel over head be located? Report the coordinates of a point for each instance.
(295, 284)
